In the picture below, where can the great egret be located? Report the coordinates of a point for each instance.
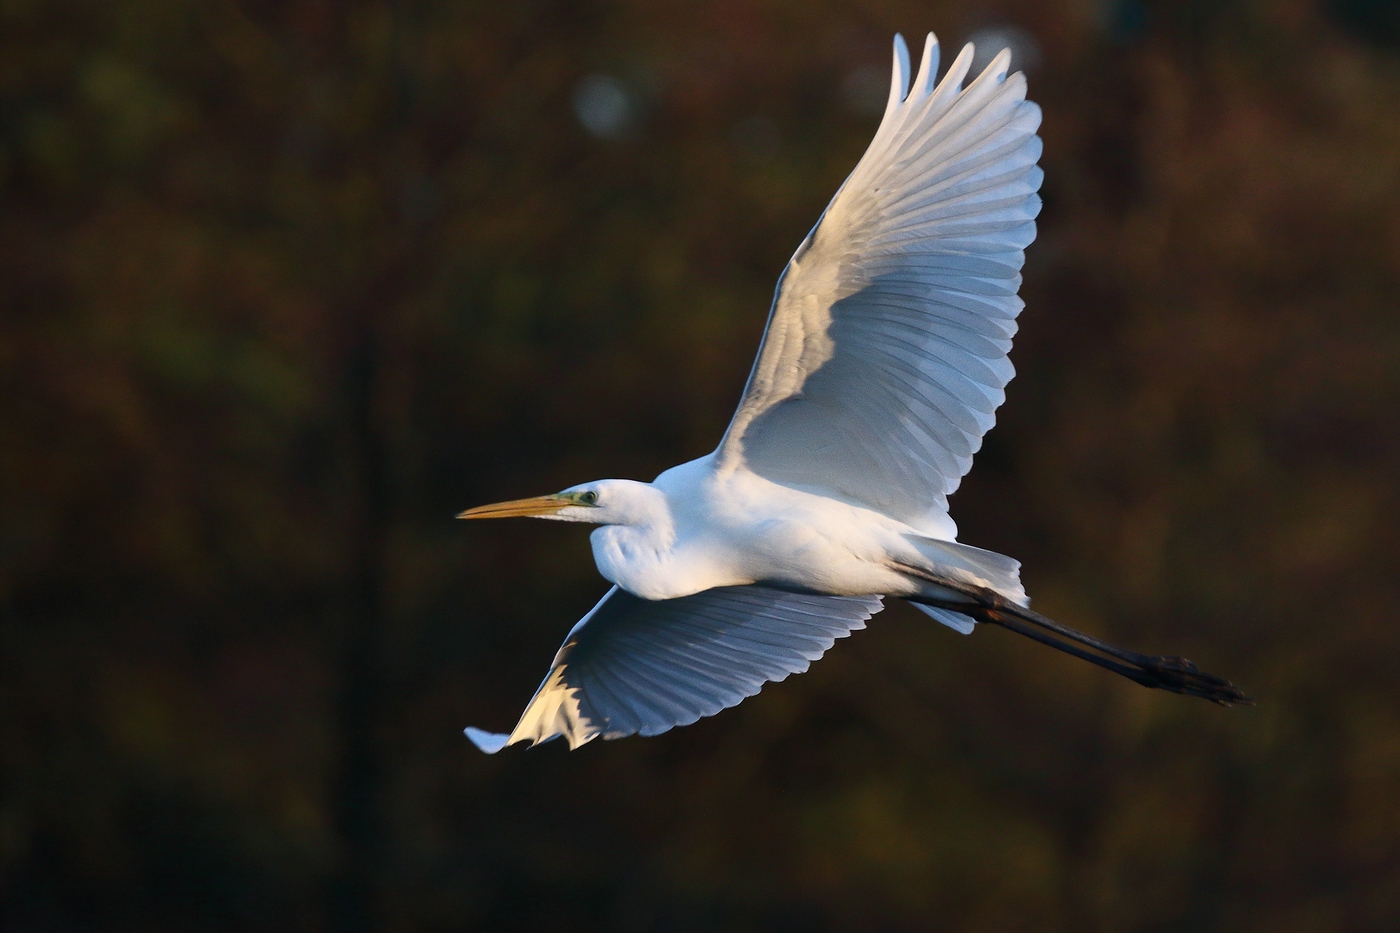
(883, 363)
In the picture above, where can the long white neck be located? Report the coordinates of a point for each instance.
(632, 548)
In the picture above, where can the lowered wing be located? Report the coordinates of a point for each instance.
(639, 666)
(885, 356)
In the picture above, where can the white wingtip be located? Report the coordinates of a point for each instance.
(957, 71)
(488, 742)
(899, 76)
(928, 66)
(1000, 64)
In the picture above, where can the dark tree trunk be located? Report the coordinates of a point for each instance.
(364, 675)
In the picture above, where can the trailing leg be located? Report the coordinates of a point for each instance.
(1158, 671)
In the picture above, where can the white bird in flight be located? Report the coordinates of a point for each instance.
(882, 367)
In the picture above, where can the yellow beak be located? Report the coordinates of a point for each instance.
(534, 506)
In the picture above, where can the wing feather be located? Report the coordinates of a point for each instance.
(634, 666)
(885, 356)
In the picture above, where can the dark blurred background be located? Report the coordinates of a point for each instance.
(283, 286)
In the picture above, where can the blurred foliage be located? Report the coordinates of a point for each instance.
(285, 285)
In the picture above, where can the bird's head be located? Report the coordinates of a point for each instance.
(605, 502)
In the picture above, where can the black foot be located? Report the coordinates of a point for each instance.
(1182, 676)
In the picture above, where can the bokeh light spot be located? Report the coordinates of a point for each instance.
(604, 106)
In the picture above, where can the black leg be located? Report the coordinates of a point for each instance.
(1161, 672)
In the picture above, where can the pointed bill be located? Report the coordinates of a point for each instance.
(534, 507)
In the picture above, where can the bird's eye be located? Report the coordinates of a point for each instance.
(588, 498)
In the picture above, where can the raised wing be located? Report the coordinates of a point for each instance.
(634, 665)
(886, 351)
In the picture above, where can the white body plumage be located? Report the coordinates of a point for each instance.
(696, 528)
